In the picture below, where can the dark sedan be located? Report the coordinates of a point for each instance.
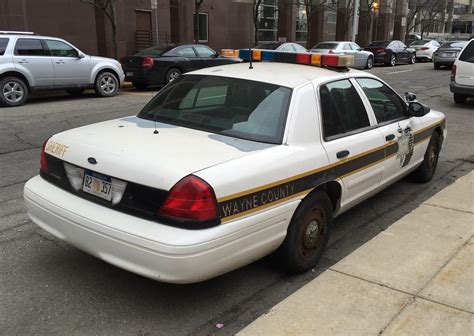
(391, 52)
(447, 53)
(161, 64)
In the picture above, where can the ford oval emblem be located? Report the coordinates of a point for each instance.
(91, 160)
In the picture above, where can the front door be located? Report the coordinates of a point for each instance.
(354, 147)
(69, 68)
(31, 57)
(396, 127)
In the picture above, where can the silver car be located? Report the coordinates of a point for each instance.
(30, 62)
(447, 53)
(362, 59)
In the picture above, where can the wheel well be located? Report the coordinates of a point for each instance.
(440, 133)
(18, 75)
(107, 70)
(333, 190)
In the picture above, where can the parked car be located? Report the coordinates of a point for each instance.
(391, 52)
(412, 37)
(30, 62)
(447, 53)
(362, 58)
(462, 75)
(160, 65)
(425, 49)
(281, 46)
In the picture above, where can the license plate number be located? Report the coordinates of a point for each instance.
(129, 74)
(98, 185)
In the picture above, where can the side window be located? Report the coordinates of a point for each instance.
(204, 52)
(387, 105)
(342, 109)
(61, 49)
(393, 45)
(287, 47)
(355, 46)
(401, 45)
(186, 52)
(347, 46)
(3, 45)
(468, 53)
(299, 48)
(29, 47)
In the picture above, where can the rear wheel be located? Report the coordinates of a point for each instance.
(140, 85)
(424, 173)
(392, 61)
(412, 59)
(370, 62)
(307, 235)
(172, 74)
(459, 98)
(106, 84)
(75, 92)
(14, 91)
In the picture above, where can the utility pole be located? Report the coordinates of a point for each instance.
(154, 7)
(355, 20)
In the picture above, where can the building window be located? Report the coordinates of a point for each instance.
(301, 22)
(203, 24)
(332, 17)
(268, 21)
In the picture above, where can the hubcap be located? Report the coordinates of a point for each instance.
(369, 63)
(108, 84)
(311, 234)
(173, 75)
(393, 60)
(432, 158)
(13, 92)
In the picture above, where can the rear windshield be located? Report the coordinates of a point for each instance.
(3, 45)
(235, 107)
(454, 45)
(325, 46)
(155, 51)
(269, 46)
(379, 44)
(420, 42)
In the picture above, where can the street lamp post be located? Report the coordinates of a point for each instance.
(355, 20)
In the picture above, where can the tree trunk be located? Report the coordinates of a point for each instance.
(114, 28)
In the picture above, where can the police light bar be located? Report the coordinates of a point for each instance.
(231, 53)
(319, 60)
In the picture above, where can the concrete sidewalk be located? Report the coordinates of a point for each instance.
(415, 278)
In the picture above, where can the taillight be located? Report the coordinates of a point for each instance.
(44, 163)
(424, 48)
(147, 62)
(379, 50)
(190, 199)
(453, 73)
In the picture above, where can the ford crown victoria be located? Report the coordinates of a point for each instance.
(228, 164)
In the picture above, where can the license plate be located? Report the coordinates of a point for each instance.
(448, 54)
(98, 185)
(129, 74)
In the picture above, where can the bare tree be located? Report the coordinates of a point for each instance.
(108, 8)
(366, 21)
(414, 12)
(197, 7)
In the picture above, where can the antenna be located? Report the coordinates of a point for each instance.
(250, 58)
(156, 131)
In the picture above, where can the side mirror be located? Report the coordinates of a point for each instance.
(417, 109)
(410, 97)
(81, 55)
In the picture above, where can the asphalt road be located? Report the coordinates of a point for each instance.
(49, 287)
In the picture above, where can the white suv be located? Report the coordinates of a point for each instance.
(462, 75)
(30, 62)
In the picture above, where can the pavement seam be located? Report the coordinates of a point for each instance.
(443, 207)
(14, 183)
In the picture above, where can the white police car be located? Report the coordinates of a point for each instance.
(228, 164)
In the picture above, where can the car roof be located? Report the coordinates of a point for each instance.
(282, 74)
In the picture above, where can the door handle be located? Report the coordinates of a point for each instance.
(23, 61)
(342, 154)
(60, 62)
(390, 137)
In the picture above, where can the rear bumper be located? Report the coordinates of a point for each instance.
(465, 90)
(151, 249)
(381, 58)
(424, 54)
(444, 60)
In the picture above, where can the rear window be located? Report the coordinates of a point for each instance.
(454, 45)
(379, 44)
(468, 53)
(420, 42)
(268, 46)
(235, 107)
(155, 51)
(3, 45)
(326, 46)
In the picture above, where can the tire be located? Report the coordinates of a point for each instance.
(14, 91)
(75, 92)
(436, 66)
(459, 98)
(106, 84)
(424, 173)
(393, 60)
(370, 62)
(172, 74)
(301, 248)
(140, 85)
(412, 59)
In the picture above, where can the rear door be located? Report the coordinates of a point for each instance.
(69, 68)
(465, 66)
(402, 51)
(190, 61)
(353, 144)
(206, 56)
(31, 56)
(396, 127)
